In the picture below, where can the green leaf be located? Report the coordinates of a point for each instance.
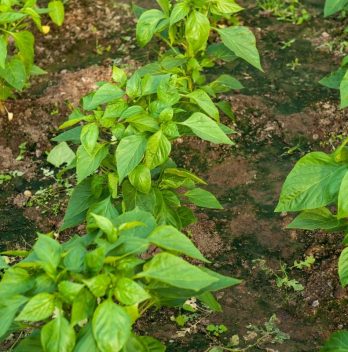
(169, 238)
(313, 183)
(8, 311)
(157, 150)
(39, 307)
(243, 43)
(89, 137)
(69, 290)
(147, 25)
(338, 342)
(58, 336)
(14, 73)
(144, 123)
(143, 344)
(140, 178)
(48, 251)
(86, 341)
(3, 51)
(80, 200)
(61, 154)
(56, 12)
(203, 198)
(82, 307)
(132, 198)
(106, 226)
(344, 91)
(225, 7)
(218, 51)
(343, 267)
(14, 281)
(25, 43)
(315, 219)
(129, 154)
(107, 93)
(98, 285)
(225, 83)
(207, 129)
(72, 135)
(334, 79)
(165, 5)
(202, 99)
(133, 88)
(129, 292)
(164, 267)
(87, 164)
(197, 30)
(111, 326)
(9, 17)
(119, 76)
(333, 6)
(179, 12)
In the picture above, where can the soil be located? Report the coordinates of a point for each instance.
(279, 116)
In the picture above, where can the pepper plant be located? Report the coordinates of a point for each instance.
(87, 293)
(17, 41)
(186, 28)
(124, 146)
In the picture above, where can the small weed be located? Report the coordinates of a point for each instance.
(216, 330)
(22, 150)
(9, 176)
(294, 64)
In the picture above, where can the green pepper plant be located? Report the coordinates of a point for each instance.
(125, 143)
(87, 293)
(17, 41)
(186, 27)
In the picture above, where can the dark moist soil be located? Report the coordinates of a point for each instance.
(280, 116)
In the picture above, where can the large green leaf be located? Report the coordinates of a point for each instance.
(111, 326)
(8, 310)
(197, 29)
(315, 219)
(87, 164)
(86, 341)
(174, 271)
(31, 343)
(48, 251)
(207, 129)
(58, 336)
(313, 183)
(202, 99)
(9, 17)
(14, 281)
(80, 200)
(89, 137)
(56, 12)
(334, 79)
(338, 342)
(157, 150)
(140, 178)
(14, 73)
(179, 12)
(333, 6)
(169, 238)
(107, 93)
(242, 42)
(129, 154)
(25, 43)
(147, 25)
(61, 154)
(203, 198)
(39, 307)
(225, 7)
(128, 292)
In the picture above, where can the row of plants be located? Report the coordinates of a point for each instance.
(17, 41)
(87, 293)
(317, 188)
